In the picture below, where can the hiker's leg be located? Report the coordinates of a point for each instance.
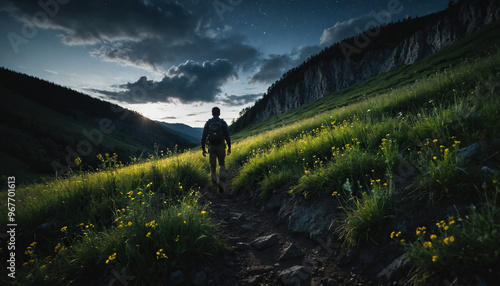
(220, 151)
(222, 174)
(221, 155)
(212, 157)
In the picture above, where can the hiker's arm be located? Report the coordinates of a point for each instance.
(204, 138)
(227, 137)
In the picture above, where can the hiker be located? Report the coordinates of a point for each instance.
(216, 134)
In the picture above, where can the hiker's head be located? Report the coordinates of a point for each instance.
(215, 111)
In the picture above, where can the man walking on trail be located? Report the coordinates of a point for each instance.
(216, 134)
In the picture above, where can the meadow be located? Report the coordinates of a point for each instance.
(400, 149)
(394, 151)
(145, 219)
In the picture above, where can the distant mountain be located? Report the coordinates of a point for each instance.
(192, 134)
(45, 127)
(368, 54)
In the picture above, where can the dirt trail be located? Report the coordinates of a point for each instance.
(243, 221)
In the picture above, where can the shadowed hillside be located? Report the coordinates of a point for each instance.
(49, 126)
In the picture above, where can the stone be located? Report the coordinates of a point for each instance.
(176, 278)
(274, 203)
(252, 281)
(259, 270)
(346, 258)
(331, 282)
(46, 226)
(199, 279)
(237, 216)
(313, 218)
(395, 270)
(367, 258)
(291, 252)
(242, 246)
(264, 242)
(247, 227)
(295, 275)
(472, 150)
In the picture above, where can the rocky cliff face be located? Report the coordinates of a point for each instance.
(427, 35)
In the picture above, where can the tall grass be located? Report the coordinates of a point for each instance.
(437, 106)
(424, 125)
(144, 218)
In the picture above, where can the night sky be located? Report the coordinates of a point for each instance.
(174, 60)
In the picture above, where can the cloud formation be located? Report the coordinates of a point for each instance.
(188, 82)
(343, 30)
(272, 68)
(237, 100)
(145, 34)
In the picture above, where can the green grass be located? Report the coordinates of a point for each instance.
(438, 106)
(144, 218)
(363, 214)
(463, 246)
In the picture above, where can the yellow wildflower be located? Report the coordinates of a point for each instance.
(420, 230)
(434, 258)
(111, 258)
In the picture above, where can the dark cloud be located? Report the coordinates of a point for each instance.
(188, 82)
(237, 100)
(272, 68)
(139, 33)
(275, 66)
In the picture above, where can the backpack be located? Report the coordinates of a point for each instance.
(215, 132)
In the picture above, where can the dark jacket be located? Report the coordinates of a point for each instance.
(225, 129)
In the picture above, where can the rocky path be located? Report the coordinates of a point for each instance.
(263, 252)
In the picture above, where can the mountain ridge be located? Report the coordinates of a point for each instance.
(192, 134)
(49, 126)
(330, 71)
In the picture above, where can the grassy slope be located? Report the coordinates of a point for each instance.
(47, 119)
(394, 148)
(475, 45)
